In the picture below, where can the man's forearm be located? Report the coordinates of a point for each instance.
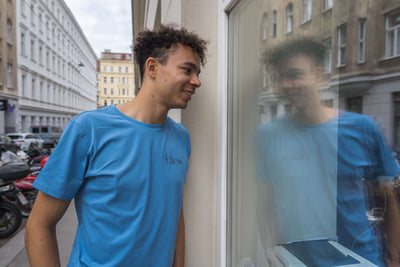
(41, 246)
(392, 225)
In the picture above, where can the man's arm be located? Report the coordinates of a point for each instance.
(179, 257)
(392, 223)
(40, 235)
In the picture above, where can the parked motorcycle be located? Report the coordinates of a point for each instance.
(11, 169)
(11, 198)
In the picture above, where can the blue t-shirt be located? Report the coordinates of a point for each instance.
(316, 173)
(127, 178)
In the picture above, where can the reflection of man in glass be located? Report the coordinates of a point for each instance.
(313, 165)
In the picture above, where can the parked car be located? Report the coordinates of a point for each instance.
(50, 134)
(7, 144)
(24, 140)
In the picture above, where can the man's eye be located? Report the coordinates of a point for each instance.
(187, 70)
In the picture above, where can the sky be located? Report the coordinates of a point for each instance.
(106, 24)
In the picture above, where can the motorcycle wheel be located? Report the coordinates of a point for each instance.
(30, 195)
(10, 219)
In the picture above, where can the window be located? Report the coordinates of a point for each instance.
(123, 91)
(9, 31)
(1, 71)
(23, 85)
(328, 4)
(112, 79)
(105, 102)
(264, 27)
(274, 23)
(40, 55)
(307, 10)
(342, 45)
(112, 91)
(119, 69)
(123, 80)
(105, 91)
(10, 83)
(354, 104)
(328, 56)
(264, 76)
(111, 69)
(112, 102)
(105, 79)
(392, 34)
(23, 45)
(32, 15)
(361, 40)
(126, 69)
(105, 68)
(33, 49)
(33, 88)
(289, 18)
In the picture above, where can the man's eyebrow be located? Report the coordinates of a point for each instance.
(193, 66)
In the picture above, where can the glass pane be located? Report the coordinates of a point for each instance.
(311, 169)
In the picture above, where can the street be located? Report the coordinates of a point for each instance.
(13, 253)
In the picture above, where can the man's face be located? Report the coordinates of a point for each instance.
(178, 79)
(298, 81)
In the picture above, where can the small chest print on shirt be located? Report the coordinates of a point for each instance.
(172, 160)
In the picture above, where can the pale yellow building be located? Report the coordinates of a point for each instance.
(115, 78)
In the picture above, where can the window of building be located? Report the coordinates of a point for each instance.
(112, 91)
(342, 45)
(328, 4)
(105, 91)
(111, 69)
(123, 91)
(32, 15)
(33, 49)
(1, 71)
(23, 44)
(33, 85)
(355, 104)
(126, 69)
(105, 102)
(9, 31)
(393, 34)
(361, 40)
(328, 56)
(264, 27)
(112, 79)
(23, 85)
(264, 76)
(307, 10)
(105, 68)
(40, 55)
(105, 79)
(10, 78)
(112, 102)
(289, 18)
(119, 69)
(123, 80)
(274, 23)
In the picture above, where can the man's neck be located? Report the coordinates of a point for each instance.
(314, 114)
(144, 108)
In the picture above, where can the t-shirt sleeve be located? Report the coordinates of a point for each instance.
(64, 172)
(385, 166)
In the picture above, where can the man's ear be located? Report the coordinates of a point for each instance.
(151, 67)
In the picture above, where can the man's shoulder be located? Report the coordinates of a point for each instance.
(176, 125)
(90, 115)
(347, 118)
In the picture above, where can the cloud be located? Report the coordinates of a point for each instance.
(106, 24)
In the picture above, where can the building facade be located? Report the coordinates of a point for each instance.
(8, 67)
(116, 78)
(361, 73)
(56, 65)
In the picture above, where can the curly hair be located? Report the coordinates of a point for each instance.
(161, 42)
(308, 46)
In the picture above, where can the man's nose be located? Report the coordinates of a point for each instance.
(195, 80)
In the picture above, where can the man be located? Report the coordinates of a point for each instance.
(125, 165)
(315, 161)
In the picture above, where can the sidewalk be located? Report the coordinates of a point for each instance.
(13, 253)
